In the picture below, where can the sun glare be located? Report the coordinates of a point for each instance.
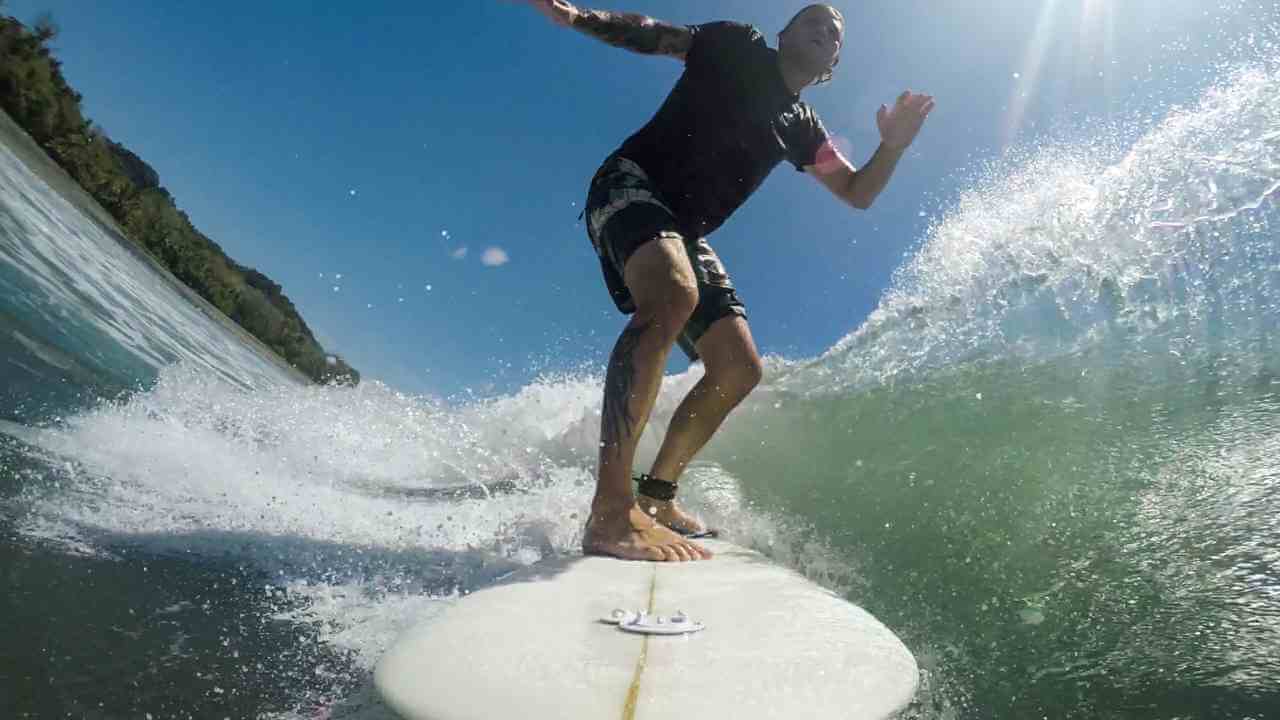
(1093, 48)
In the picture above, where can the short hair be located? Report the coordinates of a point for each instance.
(825, 77)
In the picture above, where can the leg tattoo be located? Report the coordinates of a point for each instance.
(617, 421)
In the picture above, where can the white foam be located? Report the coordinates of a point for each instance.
(328, 490)
(1063, 246)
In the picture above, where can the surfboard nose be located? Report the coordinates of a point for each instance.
(545, 645)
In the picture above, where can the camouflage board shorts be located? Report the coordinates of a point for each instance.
(624, 211)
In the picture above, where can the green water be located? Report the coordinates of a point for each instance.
(1051, 541)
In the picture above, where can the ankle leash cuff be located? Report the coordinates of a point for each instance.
(657, 489)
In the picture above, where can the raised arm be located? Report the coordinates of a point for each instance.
(628, 31)
(898, 128)
(857, 187)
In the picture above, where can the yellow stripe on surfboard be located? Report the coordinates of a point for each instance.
(633, 692)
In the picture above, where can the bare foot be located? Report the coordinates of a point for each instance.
(632, 535)
(669, 514)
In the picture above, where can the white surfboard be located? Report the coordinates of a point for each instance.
(761, 642)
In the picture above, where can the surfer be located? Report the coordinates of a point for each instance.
(733, 115)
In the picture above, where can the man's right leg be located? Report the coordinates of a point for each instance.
(661, 282)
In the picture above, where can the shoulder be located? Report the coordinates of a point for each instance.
(803, 133)
(725, 31)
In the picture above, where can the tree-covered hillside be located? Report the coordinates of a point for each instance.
(34, 93)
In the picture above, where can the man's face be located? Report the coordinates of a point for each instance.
(814, 40)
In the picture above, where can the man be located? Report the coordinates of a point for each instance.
(734, 114)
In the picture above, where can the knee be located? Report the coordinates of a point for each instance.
(752, 374)
(738, 379)
(669, 313)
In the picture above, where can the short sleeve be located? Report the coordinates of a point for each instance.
(804, 137)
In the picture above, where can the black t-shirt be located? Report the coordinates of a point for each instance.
(727, 123)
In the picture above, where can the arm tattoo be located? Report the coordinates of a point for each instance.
(616, 422)
(638, 33)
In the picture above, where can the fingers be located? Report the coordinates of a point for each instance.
(900, 124)
(916, 102)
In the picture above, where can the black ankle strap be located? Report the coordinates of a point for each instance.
(657, 489)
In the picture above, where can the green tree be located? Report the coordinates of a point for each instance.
(34, 93)
(45, 29)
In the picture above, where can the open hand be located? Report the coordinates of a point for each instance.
(558, 11)
(900, 124)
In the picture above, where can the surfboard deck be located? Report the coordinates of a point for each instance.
(775, 645)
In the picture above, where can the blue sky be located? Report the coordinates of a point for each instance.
(361, 146)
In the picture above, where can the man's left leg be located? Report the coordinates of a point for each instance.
(733, 369)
